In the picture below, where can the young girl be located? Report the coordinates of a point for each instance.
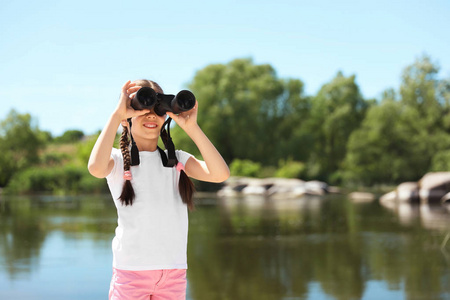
(149, 247)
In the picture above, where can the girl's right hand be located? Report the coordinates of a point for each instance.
(124, 109)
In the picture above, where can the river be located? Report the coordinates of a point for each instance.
(55, 247)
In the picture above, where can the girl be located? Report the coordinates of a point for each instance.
(149, 247)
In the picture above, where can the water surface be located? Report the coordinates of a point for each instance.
(248, 248)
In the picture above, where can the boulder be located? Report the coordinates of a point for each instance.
(408, 192)
(389, 197)
(445, 201)
(431, 188)
(434, 186)
(272, 187)
(316, 187)
(254, 190)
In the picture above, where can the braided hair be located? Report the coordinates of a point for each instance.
(127, 195)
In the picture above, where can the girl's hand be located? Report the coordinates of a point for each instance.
(124, 109)
(187, 119)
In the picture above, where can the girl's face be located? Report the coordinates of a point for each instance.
(147, 126)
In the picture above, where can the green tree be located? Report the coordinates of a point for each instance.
(70, 136)
(336, 111)
(418, 90)
(400, 140)
(425, 98)
(246, 110)
(20, 143)
(377, 151)
(294, 140)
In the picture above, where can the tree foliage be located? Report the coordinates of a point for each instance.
(401, 139)
(70, 136)
(20, 143)
(251, 114)
(336, 111)
(247, 111)
(264, 125)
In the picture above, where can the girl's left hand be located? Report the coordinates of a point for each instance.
(186, 119)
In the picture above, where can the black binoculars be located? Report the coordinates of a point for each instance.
(147, 98)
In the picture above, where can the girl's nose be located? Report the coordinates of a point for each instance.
(150, 114)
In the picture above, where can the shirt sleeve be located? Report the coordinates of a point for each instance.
(183, 156)
(116, 155)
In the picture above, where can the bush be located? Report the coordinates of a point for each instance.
(245, 168)
(54, 158)
(70, 136)
(441, 161)
(290, 169)
(90, 184)
(84, 149)
(61, 180)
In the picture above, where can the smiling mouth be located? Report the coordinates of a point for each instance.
(150, 125)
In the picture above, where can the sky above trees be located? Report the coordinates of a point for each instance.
(65, 62)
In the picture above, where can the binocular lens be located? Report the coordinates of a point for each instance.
(146, 97)
(185, 100)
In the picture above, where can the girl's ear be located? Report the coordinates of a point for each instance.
(124, 123)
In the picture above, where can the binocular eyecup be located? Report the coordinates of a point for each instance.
(147, 98)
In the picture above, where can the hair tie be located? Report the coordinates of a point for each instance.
(127, 175)
(180, 167)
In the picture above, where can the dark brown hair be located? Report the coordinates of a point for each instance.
(127, 195)
(185, 185)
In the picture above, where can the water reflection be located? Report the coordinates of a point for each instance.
(429, 216)
(241, 248)
(261, 249)
(26, 223)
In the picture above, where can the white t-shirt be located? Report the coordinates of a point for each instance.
(152, 232)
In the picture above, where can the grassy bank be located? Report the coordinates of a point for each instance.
(61, 169)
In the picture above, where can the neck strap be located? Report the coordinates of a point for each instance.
(169, 161)
(172, 160)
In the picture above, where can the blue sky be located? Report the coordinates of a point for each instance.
(64, 62)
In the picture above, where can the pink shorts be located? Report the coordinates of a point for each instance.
(154, 284)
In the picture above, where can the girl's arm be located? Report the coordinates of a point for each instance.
(213, 168)
(100, 162)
